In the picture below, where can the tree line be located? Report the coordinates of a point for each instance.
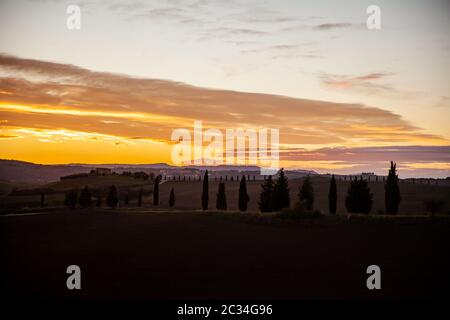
(274, 195)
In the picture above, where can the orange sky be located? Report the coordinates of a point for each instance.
(56, 113)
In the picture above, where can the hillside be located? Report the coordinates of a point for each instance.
(14, 171)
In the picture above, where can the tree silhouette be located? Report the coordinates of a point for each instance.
(306, 194)
(221, 202)
(392, 195)
(265, 197)
(205, 197)
(359, 198)
(243, 196)
(85, 198)
(112, 199)
(140, 197)
(280, 198)
(332, 196)
(172, 198)
(156, 190)
(71, 199)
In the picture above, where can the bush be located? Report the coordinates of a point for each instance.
(85, 198)
(280, 196)
(71, 199)
(306, 194)
(298, 212)
(359, 197)
(265, 197)
(112, 198)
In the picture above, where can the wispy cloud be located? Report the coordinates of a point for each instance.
(371, 83)
(37, 95)
(330, 26)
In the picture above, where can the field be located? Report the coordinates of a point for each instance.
(187, 255)
(188, 194)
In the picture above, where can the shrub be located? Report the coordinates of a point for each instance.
(280, 198)
(265, 197)
(85, 198)
(71, 199)
(306, 194)
(298, 212)
(112, 198)
(359, 198)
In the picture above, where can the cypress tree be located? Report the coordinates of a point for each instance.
(392, 195)
(332, 196)
(112, 199)
(221, 201)
(156, 190)
(265, 197)
(306, 194)
(172, 198)
(359, 198)
(281, 198)
(205, 196)
(85, 198)
(243, 196)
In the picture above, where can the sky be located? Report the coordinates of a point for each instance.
(346, 99)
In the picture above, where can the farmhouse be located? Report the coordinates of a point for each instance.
(102, 171)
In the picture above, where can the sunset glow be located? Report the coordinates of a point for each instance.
(317, 76)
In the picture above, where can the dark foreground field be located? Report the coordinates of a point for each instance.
(183, 255)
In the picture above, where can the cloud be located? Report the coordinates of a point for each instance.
(330, 26)
(398, 153)
(412, 161)
(227, 31)
(287, 51)
(321, 26)
(371, 83)
(37, 95)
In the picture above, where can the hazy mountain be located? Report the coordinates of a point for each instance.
(21, 171)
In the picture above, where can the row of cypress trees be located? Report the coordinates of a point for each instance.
(221, 199)
(85, 198)
(274, 195)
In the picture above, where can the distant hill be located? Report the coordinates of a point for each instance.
(21, 171)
